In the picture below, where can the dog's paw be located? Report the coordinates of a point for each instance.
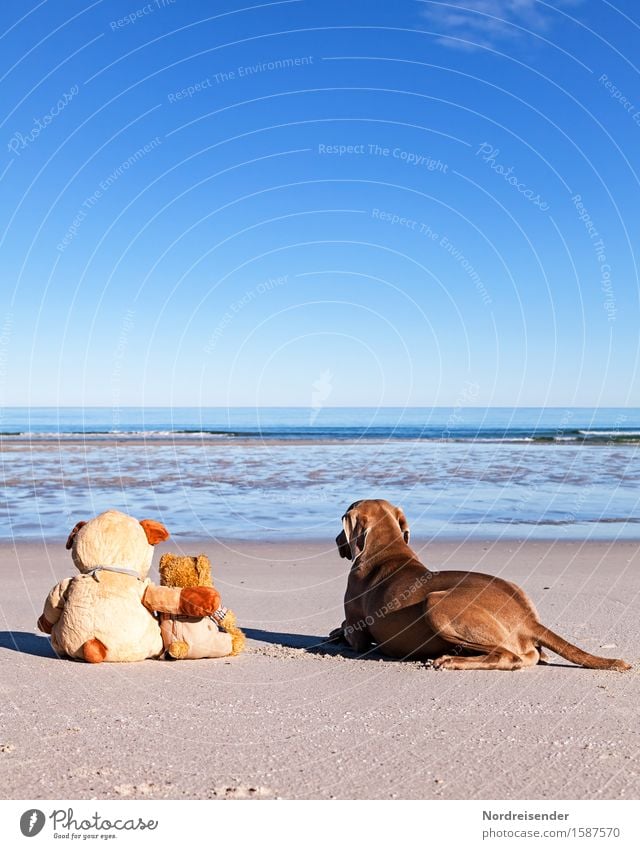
(444, 662)
(337, 636)
(620, 665)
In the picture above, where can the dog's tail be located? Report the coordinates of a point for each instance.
(565, 649)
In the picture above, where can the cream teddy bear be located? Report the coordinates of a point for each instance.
(106, 613)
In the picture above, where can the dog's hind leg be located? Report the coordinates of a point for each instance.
(462, 621)
(497, 658)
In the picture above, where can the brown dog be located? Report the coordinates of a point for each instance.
(394, 601)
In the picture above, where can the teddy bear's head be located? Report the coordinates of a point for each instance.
(176, 571)
(115, 540)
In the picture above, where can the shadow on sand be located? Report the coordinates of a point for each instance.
(26, 643)
(313, 645)
(321, 646)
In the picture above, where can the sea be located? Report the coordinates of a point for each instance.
(289, 473)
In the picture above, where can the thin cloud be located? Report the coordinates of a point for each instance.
(490, 23)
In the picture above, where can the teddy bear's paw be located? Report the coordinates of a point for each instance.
(94, 651)
(199, 601)
(238, 641)
(178, 650)
(229, 623)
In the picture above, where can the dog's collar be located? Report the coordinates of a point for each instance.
(118, 569)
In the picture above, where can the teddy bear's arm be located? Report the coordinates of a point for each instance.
(53, 606)
(190, 601)
(161, 599)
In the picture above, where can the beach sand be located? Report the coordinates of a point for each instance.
(294, 719)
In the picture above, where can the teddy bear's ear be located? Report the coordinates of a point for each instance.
(155, 531)
(73, 533)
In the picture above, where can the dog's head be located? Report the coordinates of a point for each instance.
(375, 516)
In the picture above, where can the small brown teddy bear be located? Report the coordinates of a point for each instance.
(196, 637)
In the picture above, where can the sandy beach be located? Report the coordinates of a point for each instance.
(293, 718)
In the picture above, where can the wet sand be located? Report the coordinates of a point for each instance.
(293, 718)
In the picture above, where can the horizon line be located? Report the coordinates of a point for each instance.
(311, 407)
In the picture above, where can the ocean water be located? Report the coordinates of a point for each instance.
(289, 473)
(459, 424)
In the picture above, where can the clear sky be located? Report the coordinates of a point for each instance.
(301, 202)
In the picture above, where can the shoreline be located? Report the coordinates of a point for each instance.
(244, 441)
(182, 541)
(294, 718)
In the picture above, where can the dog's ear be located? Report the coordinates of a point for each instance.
(155, 531)
(73, 533)
(344, 549)
(355, 532)
(404, 525)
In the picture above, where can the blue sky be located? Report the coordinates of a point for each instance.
(220, 203)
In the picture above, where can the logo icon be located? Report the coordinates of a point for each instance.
(322, 388)
(32, 822)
